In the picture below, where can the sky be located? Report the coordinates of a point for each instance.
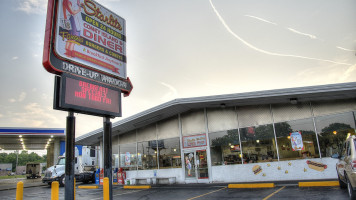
(185, 48)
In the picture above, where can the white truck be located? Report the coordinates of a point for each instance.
(84, 168)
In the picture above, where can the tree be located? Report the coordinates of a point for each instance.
(23, 158)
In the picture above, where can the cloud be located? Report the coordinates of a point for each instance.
(35, 115)
(304, 34)
(21, 97)
(172, 94)
(346, 49)
(265, 51)
(263, 20)
(14, 58)
(326, 74)
(33, 6)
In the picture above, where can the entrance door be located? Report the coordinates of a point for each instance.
(202, 164)
(189, 160)
(196, 165)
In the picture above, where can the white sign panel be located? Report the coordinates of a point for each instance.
(89, 34)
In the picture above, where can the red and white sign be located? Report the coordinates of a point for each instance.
(194, 141)
(86, 39)
(90, 34)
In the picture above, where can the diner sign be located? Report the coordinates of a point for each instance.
(194, 141)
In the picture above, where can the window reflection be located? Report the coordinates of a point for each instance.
(225, 147)
(147, 155)
(128, 156)
(296, 139)
(258, 144)
(169, 153)
(332, 132)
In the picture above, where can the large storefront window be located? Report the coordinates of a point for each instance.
(128, 158)
(147, 155)
(333, 130)
(296, 139)
(225, 148)
(169, 153)
(258, 144)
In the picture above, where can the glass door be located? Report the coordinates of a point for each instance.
(202, 164)
(196, 164)
(189, 160)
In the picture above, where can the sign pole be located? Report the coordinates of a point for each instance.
(108, 152)
(69, 168)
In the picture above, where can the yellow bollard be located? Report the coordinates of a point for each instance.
(74, 188)
(106, 189)
(19, 191)
(55, 190)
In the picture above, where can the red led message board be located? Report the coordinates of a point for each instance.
(73, 93)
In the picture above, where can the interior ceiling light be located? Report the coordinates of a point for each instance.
(51, 136)
(20, 136)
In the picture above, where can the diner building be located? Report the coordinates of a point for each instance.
(272, 135)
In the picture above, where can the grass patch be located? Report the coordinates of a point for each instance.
(16, 176)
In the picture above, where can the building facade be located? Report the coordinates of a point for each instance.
(276, 135)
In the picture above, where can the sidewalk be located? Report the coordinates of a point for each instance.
(10, 184)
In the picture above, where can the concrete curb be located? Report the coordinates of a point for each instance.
(137, 187)
(252, 185)
(88, 187)
(319, 184)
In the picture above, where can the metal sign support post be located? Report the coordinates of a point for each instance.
(108, 153)
(69, 168)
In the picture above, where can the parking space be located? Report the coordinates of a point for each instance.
(189, 192)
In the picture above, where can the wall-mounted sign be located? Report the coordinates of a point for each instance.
(194, 141)
(86, 39)
(84, 96)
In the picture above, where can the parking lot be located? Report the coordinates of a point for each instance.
(188, 192)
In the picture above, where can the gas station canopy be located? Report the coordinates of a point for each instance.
(18, 138)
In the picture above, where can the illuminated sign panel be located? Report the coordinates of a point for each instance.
(90, 34)
(88, 40)
(88, 97)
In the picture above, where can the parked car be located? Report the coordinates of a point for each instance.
(346, 166)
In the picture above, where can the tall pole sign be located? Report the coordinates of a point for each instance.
(85, 46)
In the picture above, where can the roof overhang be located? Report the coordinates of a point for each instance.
(174, 107)
(19, 138)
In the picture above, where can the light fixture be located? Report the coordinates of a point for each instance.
(293, 101)
(335, 132)
(51, 136)
(20, 136)
(174, 149)
(288, 137)
(258, 141)
(232, 146)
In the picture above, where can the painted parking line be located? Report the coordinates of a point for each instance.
(206, 193)
(114, 195)
(269, 196)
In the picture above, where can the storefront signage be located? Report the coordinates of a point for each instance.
(84, 38)
(81, 95)
(194, 141)
(297, 141)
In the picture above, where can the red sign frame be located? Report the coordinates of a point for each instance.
(56, 64)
